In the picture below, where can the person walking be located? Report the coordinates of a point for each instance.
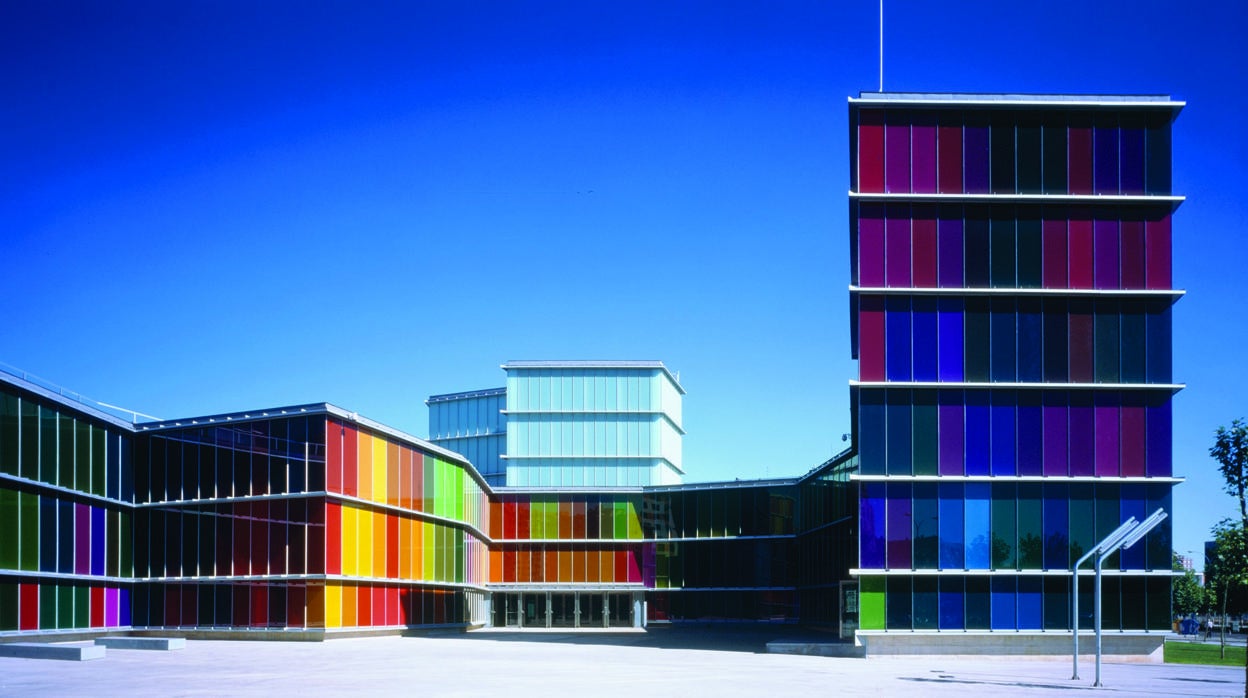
(1208, 628)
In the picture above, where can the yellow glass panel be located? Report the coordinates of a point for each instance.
(333, 606)
(364, 450)
(380, 472)
(350, 542)
(366, 543)
(380, 535)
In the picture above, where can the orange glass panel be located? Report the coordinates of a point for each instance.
(393, 468)
(523, 565)
(593, 567)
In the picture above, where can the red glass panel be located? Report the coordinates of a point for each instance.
(333, 538)
(1080, 161)
(1081, 255)
(949, 144)
(1132, 254)
(277, 537)
(522, 518)
(173, 605)
(350, 461)
(97, 607)
(242, 538)
(240, 609)
(379, 606)
(924, 234)
(621, 565)
(260, 538)
(394, 615)
(364, 602)
(509, 519)
(1055, 254)
(509, 564)
(924, 156)
(578, 519)
(392, 546)
(870, 150)
(871, 338)
(316, 545)
(190, 604)
(1157, 252)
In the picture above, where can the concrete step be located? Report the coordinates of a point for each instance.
(49, 650)
(142, 643)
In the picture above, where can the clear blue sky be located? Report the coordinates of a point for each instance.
(209, 207)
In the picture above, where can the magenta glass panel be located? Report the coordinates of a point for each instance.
(1080, 156)
(951, 432)
(1132, 236)
(634, 566)
(924, 232)
(1133, 435)
(975, 154)
(871, 338)
(923, 136)
(899, 526)
(1157, 252)
(1081, 434)
(1080, 250)
(1132, 155)
(111, 618)
(1107, 427)
(897, 246)
(871, 245)
(1055, 423)
(949, 240)
(1107, 254)
(896, 154)
(1055, 255)
(82, 539)
(1160, 449)
(871, 150)
(949, 155)
(1105, 167)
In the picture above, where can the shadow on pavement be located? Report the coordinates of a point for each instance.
(722, 637)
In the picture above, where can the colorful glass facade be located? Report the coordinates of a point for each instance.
(1012, 298)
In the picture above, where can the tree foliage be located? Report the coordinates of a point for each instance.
(1230, 450)
(1226, 570)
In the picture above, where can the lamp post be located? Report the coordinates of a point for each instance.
(1110, 542)
(1132, 537)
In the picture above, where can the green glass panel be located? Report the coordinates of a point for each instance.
(82, 456)
(976, 339)
(1108, 516)
(82, 607)
(65, 455)
(47, 607)
(1004, 525)
(64, 607)
(112, 539)
(925, 435)
(9, 522)
(621, 521)
(634, 520)
(1003, 248)
(9, 434)
(459, 556)
(1082, 521)
(98, 459)
(1107, 342)
(29, 466)
(1030, 536)
(871, 603)
(47, 449)
(427, 552)
(704, 514)
(28, 556)
(734, 512)
(8, 606)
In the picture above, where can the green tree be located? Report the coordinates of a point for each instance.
(1189, 597)
(1230, 450)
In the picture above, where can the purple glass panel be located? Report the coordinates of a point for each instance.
(871, 508)
(1133, 254)
(1132, 167)
(1107, 426)
(1055, 416)
(899, 516)
(896, 154)
(949, 244)
(975, 141)
(97, 541)
(897, 247)
(1133, 435)
(1159, 446)
(1157, 252)
(111, 619)
(1054, 244)
(1081, 244)
(951, 432)
(82, 539)
(1080, 160)
(924, 156)
(871, 245)
(1030, 433)
(1107, 254)
(950, 344)
(1105, 166)
(1081, 434)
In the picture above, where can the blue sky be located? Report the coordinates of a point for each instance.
(211, 207)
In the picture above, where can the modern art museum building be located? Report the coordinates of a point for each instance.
(1011, 297)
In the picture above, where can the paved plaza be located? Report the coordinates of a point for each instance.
(662, 662)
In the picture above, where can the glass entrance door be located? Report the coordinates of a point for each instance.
(592, 607)
(563, 610)
(535, 615)
(619, 611)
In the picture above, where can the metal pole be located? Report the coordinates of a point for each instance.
(1074, 620)
(1096, 611)
(881, 45)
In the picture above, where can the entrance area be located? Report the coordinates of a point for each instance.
(563, 609)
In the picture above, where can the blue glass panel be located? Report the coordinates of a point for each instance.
(1134, 503)
(1004, 341)
(977, 603)
(978, 432)
(1056, 527)
(871, 508)
(1003, 444)
(926, 606)
(899, 526)
(871, 432)
(1030, 341)
(924, 338)
(899, 432)
(47, 531)
(978, 496)
(952, 599)
(926, 527)
(897, 338)
(1030, 433)
(950, 333)
(1158, 351)
(1030, 591)
(1159, 543)
(952, 526)
(1003, 604)
(65, 537)
(897, 601)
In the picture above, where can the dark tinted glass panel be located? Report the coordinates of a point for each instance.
(1003, 442)
(976, 154)
(1003, 248)
(899, 432)
(1030, 341)
(1081, 341)
(1029, 155)
(1004, 338)
(1004, 526)
(926, 609)
(925, 433)
(1157, 153)
(1055, 251)
(976, 245)
(872, 435)
(1056, 527)
(952, 602)
(1131, 158)
(1105, 148)
(898, 600)
(1030, 249)
(1055, 339)
(926, 526)
(1030, 533)
(1107, 255)
(47, 445)
(1003, 181)
(29, 467)
(949, 241)
(1107, 342)
(1134, 341)
(1030, 433)
(1080, 154)
(977, 603)
(1158, 358)
(949, 144)
(923, 136)
(899, 526)
(1056, 603)
(1055, 154)
(978, 337)
(1056, 414)
(1081, 433)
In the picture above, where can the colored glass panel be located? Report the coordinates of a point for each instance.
(899, 526)
(978, 433)
(898, 247)
(871, 338)
(949, 243)
(980, 526)
(952, 441)
(976, 154)
(949, 153)
(923, 158)
(923, 232)
(870, 150)
(1080, 154)
(1054, 417)
(924, 328)
(899, 453)
(1004, 596)
(897, 153)
(952, 601)
(952, 526)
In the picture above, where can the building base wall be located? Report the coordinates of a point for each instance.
(1143, 648)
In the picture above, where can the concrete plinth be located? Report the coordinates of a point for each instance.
(1143, 648)
(142, 643)
(48, 650)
